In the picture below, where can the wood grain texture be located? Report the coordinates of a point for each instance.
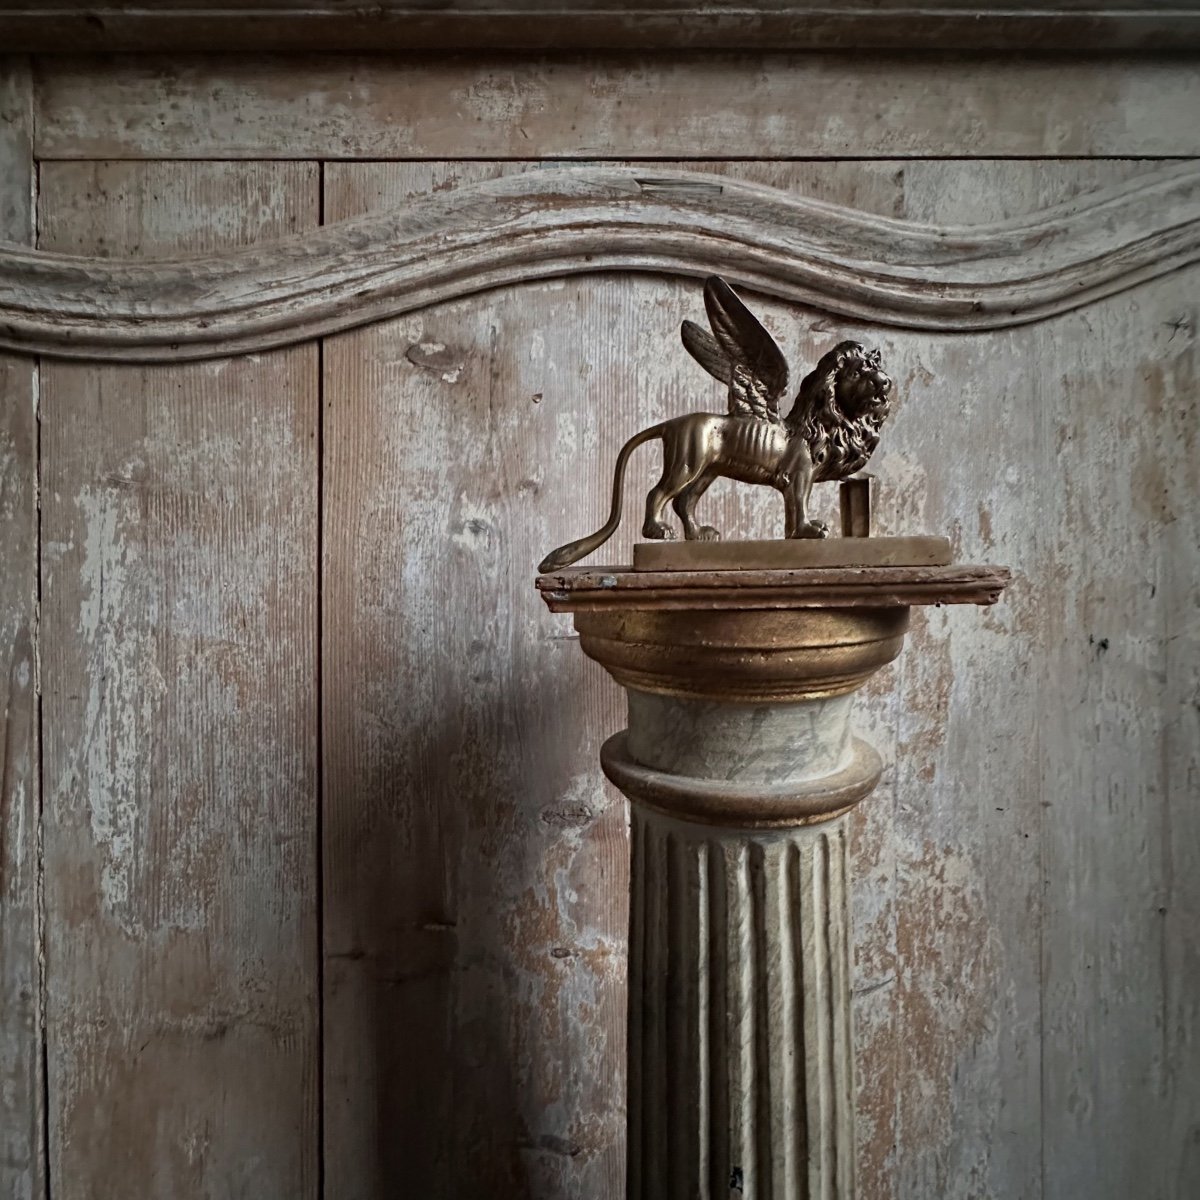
(531, 225)
(857, 551)
(596, 588)
(988, 998)
(1032, 855)
(475, 867)
(22, 1112)
(55, 26)
(179, 554)
(696, 106)
(1118, 747)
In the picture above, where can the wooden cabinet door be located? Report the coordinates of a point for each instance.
(312, 882)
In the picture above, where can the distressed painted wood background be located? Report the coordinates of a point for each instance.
(309, 881)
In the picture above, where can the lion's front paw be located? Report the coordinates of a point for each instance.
(812, 529)
(658, 531)
(706, 533)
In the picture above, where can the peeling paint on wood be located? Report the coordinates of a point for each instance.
(532, 225)
(954, 1023)
(683, 106)
(1018, 798)
(180, 707)
(1025, 876)
(22, 1113)
(475, 870)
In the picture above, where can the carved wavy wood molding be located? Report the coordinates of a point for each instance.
(559, 222)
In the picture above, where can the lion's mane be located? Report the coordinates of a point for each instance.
(840, 408)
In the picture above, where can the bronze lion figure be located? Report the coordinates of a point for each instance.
(829, 433)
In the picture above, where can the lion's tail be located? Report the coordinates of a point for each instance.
(564, 556)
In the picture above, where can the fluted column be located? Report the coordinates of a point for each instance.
(740, 1066)
(740, 1070)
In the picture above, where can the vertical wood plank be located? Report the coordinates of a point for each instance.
(21, 1092)
(1041, 859)
(1121, 761)
(475, 881)
(16, 151)
(1121, 674)
(179, 591)
(1171, 488)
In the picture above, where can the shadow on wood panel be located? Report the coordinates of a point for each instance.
(442, 995)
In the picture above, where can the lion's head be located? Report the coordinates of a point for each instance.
(840, 409)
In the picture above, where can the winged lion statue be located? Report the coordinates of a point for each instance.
(829, 433)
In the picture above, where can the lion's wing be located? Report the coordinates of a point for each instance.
(758, 371)
(702, 346)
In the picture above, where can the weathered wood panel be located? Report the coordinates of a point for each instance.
(21, 1107)
(179, 585)
(475, 903)
(1036, 970)
(1121, 1068)
(972, 449)
(475, 868)
(698, 106)
(1120, 756)
(984, 1048)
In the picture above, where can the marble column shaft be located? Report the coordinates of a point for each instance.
(740, 1052)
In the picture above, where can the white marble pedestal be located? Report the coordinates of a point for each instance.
(741, 767)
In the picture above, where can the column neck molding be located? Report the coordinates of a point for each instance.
(740, 806)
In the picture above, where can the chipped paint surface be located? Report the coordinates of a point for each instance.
(113, 752)
(806, 106)
(22, 1110)
(179, 700)
(1025, 957)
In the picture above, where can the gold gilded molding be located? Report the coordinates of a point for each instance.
(584, 589)
(740, 655)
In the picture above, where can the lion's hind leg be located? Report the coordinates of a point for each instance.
(657, 499)
(685, 505)
(678, 473)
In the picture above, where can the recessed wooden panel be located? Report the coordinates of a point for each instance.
(1056, 811)
(1037, 858)
(475, 864)
(474, 860)
(179, 550)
